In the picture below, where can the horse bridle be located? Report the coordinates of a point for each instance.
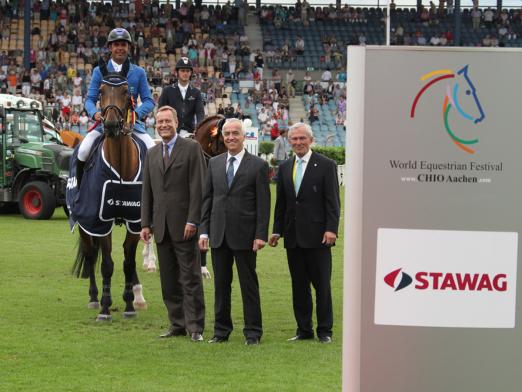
(120, 114)
(116, 79)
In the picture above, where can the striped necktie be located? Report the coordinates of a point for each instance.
(230, 171)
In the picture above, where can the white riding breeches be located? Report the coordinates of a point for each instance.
(86, 145)
(88, 141)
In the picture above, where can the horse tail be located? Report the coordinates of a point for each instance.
(82, 261)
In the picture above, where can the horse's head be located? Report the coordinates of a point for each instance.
(115, 101)
(208, 135)
(465, 97)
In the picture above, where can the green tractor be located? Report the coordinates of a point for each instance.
(34, 164)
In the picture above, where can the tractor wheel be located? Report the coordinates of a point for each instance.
(37, 201)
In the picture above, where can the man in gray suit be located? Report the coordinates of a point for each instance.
(280, 150)
(235, 216)
(171, 208)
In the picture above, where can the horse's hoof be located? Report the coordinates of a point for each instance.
(104, 318)
(140, 305)
(130, 315)
(93, 305)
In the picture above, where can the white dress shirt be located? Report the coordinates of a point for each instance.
(239, 156)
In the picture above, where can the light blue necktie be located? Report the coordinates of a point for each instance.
(230, 171)
(298, 175)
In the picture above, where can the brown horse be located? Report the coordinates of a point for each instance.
(208, 135)
(122, 154)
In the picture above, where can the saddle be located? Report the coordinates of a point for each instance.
(103, 198)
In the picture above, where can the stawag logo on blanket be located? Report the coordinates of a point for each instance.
(446, 278)
(460, 95)
(124, 203)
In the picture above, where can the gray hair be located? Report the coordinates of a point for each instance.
(305, 127)
(234, 120)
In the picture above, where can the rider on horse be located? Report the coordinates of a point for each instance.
(119, 43)
(185, 98)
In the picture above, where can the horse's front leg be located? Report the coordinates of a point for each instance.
(131, 278)
(107, 268)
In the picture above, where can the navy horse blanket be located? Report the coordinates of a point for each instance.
(103, 197)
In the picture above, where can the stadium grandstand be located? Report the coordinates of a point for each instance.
(273, 63)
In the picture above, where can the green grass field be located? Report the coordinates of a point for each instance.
(49, 340)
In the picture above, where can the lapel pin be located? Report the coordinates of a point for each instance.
(315, 164)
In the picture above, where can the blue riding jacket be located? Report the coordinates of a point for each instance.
(138, 86)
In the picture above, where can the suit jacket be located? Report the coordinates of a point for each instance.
(302, 219)
(187, 108)
(241, 213)
(171, 196)
(280, 153)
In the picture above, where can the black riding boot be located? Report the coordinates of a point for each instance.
(79, 172)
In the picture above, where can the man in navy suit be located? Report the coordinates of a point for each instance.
(234, 218)
(307, 217)
(183, 97)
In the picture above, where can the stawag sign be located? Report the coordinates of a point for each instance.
(444, 278)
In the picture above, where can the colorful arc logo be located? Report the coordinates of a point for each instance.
(454, 99)
(391, 279)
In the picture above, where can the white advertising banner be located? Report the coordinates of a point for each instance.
(252, 140)
(444, 278)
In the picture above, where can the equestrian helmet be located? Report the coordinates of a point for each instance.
(119, 34)
(184, 63)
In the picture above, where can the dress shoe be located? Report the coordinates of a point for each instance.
(196, 337)
(325, 339)
(299, 337)
(252, 341)
(173, 332)
(219, 339)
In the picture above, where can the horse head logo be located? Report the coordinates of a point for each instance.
(461, 96)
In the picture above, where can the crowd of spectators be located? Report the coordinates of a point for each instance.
(271, 98)
(321, 93)
(427, 25)
(500, 27)
(212, 37)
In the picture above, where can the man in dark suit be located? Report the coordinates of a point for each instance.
(307, 216)
(184, 98)
(235, 217)
(171, 208)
